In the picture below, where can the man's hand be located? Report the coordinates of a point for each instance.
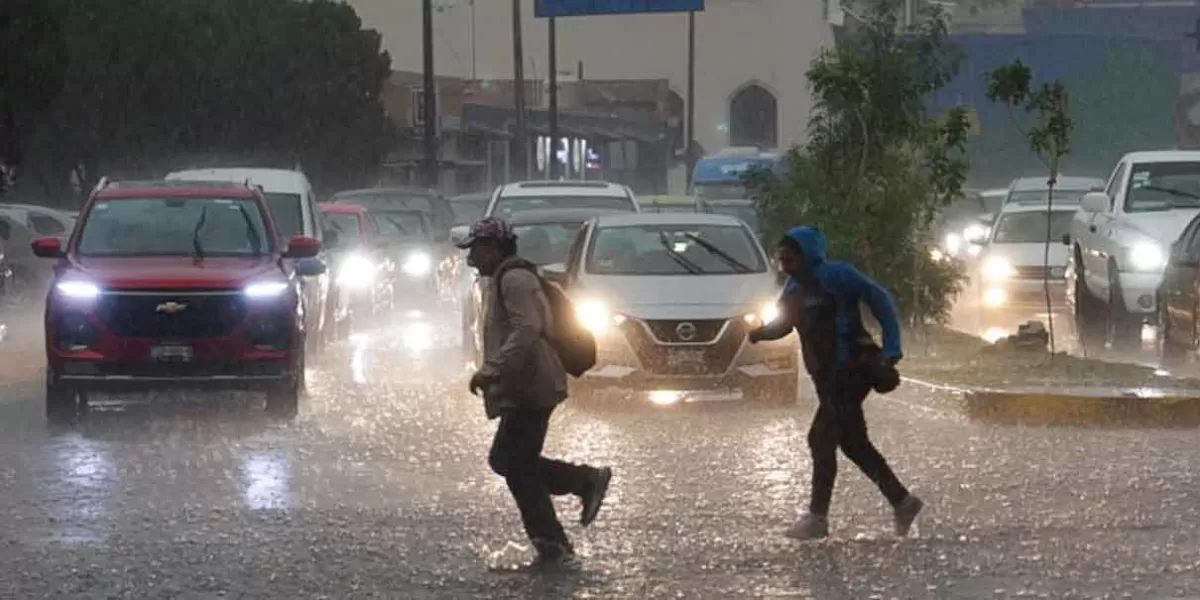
(477, 383)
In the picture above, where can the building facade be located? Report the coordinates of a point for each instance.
(751, 57)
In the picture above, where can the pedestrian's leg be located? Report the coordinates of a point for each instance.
(589, 483)
(822, 444)
(515, 455)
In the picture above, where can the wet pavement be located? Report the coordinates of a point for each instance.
(380, 488)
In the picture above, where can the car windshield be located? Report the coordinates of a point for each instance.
(720, 191)
(670, 208)
(546, 243)
(1061, 196)
(467, 212)
(174, 227)
(387, 201)
(402, 224)
(507, 206)
(287, 214)
(1163, 186)
(346, 225)
(674, 250)
(1030, 227)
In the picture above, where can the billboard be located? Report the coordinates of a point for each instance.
(578, 8)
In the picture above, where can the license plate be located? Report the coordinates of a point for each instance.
(681, 357)
(171, 353)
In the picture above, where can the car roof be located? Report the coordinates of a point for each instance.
(1023, 207)
(284, 181)
(667, 199)
(559, 215)
(386, 191)
(175, 189)
(343, 209)
(1065, 182)
(634, 219)
(557, 188)
(480, 197)
(1162, 156)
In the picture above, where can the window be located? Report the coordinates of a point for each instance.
(1114, 185)
(545, 243)
(1030, 227)
(1163, 186)
(46, 225)
(1190, 239)
(510, 205)
(5, 230)
(174, 227)
(1043, 196)
(287, 213)
(402, 224)
(345, 225)
(674, 250)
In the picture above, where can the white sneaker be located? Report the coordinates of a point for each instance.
(809, 527)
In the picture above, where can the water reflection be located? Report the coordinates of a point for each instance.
(78, 491)
(267, 478)
(358, 358)
(418, 337)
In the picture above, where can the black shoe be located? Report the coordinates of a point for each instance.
(555, 557)
(594, 497)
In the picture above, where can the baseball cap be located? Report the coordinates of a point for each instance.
(490, 229)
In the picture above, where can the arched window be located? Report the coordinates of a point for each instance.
(754, 118)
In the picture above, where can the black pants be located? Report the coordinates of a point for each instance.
(840, 422)
(516, 456)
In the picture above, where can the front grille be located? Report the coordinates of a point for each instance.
(667, 331)
(146, 314)
(1038, 272)
(655, 357)
(257, 368)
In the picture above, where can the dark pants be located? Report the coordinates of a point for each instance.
(840, 422)
(516, 456)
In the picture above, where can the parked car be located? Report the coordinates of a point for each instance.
(1013, 266)
(20, 225)
(439, 210)
(670, 298)
(364, 271)
(294, 210)
(175, 286)
(510, 199)
(543, 237)
(1120, 240)
(1179, 297)
(1068, 191)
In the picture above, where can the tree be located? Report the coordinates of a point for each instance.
(31, 75)
(876, 168)
(1049, 137)
(149, 86)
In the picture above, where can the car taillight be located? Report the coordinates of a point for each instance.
(73, 331)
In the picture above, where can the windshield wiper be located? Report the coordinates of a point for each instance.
(688, 265)
(734, 263)
(1171, 191)
(251, 232)
(199, 250)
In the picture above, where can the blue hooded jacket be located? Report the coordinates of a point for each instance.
(849, 287)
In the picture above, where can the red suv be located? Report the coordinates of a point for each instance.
(175, 284)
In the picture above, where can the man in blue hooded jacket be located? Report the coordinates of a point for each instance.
(821, 302)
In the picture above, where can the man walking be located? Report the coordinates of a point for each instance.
(821, 301)
(522, 381)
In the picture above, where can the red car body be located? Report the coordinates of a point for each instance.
(354, 303)
(125, 323)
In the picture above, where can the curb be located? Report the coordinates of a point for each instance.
(1001, 407)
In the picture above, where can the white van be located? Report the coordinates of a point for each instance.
(294, 209)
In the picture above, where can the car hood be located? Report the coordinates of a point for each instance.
(680, 296)
(175, 272)
(1163, 227)
(1030, 255)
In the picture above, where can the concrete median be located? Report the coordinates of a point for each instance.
(1105, 407)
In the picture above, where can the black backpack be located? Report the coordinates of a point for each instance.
(574, 344)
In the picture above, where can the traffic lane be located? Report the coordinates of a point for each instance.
(381, 486)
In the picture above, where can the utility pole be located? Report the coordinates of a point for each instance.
(474, 72)
(519, 146)
(689, 157)
(552, 160)
(430, 115)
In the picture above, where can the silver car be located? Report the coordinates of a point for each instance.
(670, 298)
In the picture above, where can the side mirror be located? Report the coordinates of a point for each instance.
(1095, 202)
(302, 247)
(1066, 239)
(331, 238)
(310, 267)
(50, 247)
(459, 234)
(556, 272)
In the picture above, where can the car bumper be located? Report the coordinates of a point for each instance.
(1139, 291)
(114, 376)
(1001, 294)
(619, 366)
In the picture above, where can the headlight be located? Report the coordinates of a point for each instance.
(356, 270)
(417, 264)
(78, 289)
(974, 249)
(1146, 256)
(769, 312)
(996, 269)
(975, 233)
(594, 316)
(953, 243)
(267, 289)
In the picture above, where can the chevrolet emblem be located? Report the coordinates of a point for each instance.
(170, 308)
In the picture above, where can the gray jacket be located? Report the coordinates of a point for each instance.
(520, 368)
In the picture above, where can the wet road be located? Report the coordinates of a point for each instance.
(380, 489)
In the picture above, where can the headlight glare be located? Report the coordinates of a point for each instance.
(1146, 256)
(417, 264)
(78, 289)
(266, 289)
(953, 243)
(997, 269)
(356, 270)
(594, 316)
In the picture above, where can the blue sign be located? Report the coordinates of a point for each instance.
(578, 8)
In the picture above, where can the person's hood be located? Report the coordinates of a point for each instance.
(812, 243)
